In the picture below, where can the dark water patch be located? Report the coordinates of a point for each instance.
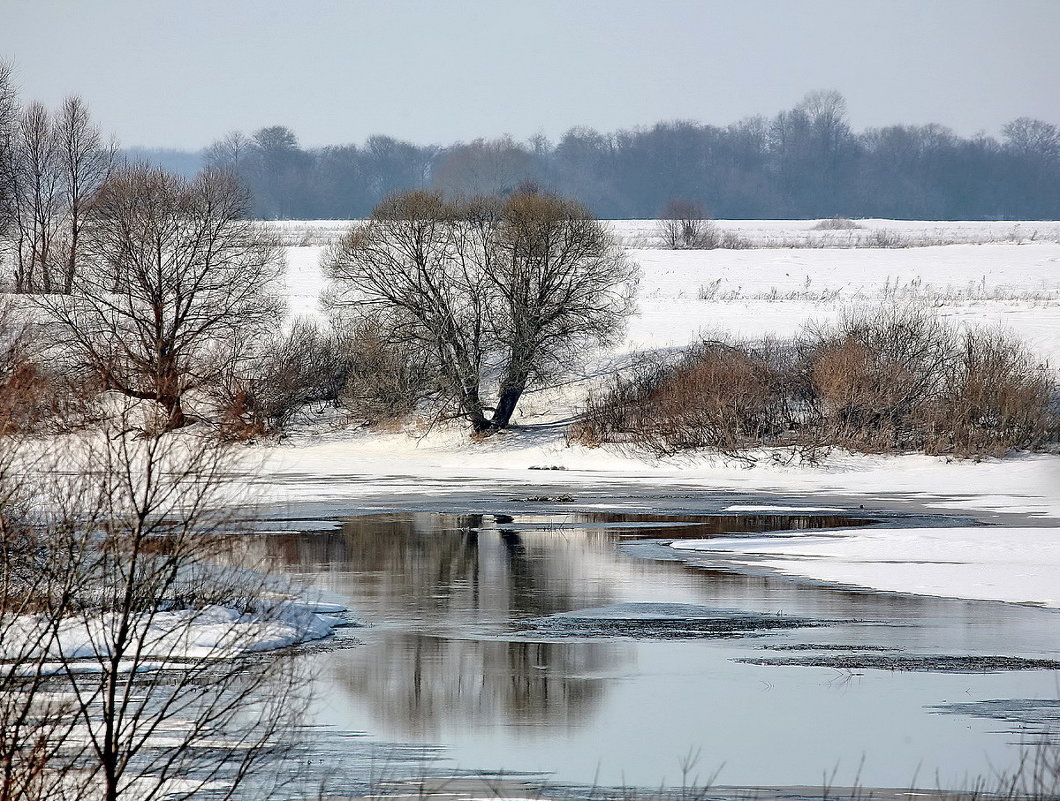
(633, 526)
(662, 621)
(1022, 715)
(909, 662)
(826, 646)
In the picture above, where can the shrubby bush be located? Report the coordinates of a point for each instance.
(387, 379)
(890, 380)
(36, 393)
(836, 224)
(685, 225)
(352, 368)
(292, 370)
(718, 395)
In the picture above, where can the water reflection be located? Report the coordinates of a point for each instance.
(422, 685)
(431, 587)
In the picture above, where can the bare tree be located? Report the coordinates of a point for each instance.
(37, 199)
(85, 162)
(408, 268)
(684, 224)
(8, 118)
(33, 722)
(563, 287)
(483, 167)
(176, 283)
(127, 618)
(516, 290)
(229, 153)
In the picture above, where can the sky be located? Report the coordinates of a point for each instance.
(182, 73)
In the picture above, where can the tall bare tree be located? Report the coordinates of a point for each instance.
(408, 268)
(37, 199)
(176, 283)
(563, 287)
(8, 117)
(85, 162)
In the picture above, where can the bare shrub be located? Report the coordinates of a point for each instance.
(386, 378)
(836, 224)
(893, 379)
(877, 375)
(307, 365)
(19, 387)
(998, 399)
(685, 224)
(730, 240)
(883, 238)
(358, 368)
(718, 396)
(37, 394)
(108, 566)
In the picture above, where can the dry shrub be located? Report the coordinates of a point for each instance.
(387, 379)
(836, 224)
(305, 366)
(895, 379)
(36, 396)
(719, 396)
(882, 238)
(998, 399)
(356, 368)
(877, 376)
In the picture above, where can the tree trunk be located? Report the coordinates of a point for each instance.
(175, 411)
(512, 388)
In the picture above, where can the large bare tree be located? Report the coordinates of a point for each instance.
(562, 287)
(8, 116)
(175, 284)
(409, 269)
(511, 290)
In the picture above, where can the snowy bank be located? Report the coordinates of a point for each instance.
(1019, 565)
(211, 632)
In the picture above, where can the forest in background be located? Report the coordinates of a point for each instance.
(805, 162)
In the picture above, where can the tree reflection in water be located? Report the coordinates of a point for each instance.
(444, 594)
(441, 593)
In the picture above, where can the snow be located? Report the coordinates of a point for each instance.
(1017, 565)
(214, 631)
(1005, 280)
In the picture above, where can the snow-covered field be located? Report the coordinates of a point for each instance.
(983, 274)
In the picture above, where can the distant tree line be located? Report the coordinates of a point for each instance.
(806, 162)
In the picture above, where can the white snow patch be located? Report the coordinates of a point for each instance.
(214, 631)
(1018, 565)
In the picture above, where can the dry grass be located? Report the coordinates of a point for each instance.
(719, 396)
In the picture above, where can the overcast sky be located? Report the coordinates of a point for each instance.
(181, 73)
